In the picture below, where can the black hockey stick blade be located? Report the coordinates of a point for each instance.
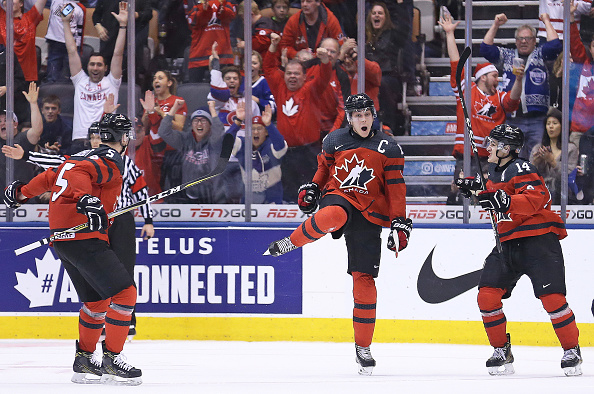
(227, 148)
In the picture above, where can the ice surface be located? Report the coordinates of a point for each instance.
(172, 367)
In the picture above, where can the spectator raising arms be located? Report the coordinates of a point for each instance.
(268, 147)
(24, 34)
(91, 90)
(373, 72)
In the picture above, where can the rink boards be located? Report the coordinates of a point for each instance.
(210, 281)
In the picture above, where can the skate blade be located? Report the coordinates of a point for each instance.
(113, 380)
(267, 253)
(505, 369)
(365, 371)
(85, 378)
(573, 371)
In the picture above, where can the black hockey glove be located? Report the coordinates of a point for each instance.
(468, 185)
(11, 193)
(403, 227)
(497, 200)
(92, 207)
(308, 197)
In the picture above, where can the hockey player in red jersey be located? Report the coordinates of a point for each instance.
(360, 189)
(530, 234)
(85, 188)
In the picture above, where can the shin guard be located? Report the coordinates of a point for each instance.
(117, 321)
(491, 307)
(90, 323)
(326, 220)
(562, 318)
(365, 296)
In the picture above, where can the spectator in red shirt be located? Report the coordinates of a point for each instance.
(298, 115)
(308, 27)
(209, 22)
(373, 71)
(25, 25)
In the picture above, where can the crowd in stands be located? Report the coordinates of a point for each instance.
(304, 65)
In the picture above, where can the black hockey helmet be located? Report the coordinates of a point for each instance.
(358, 102)
(506, 134)
(93, 129)
(113, 126)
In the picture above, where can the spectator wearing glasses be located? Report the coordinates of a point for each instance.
(535, 90)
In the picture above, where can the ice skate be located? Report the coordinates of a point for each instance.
(86, 367)
(365, 360)
(501, 361)
(280, 247)
(116, 370)
(571, 363)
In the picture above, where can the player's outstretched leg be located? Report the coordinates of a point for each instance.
(571, 363)
(280, 247)
(87, 369)
(364, 359)
(116, 370)
(501, 361)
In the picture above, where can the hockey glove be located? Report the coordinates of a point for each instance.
(92, 207)
(308, 197)
(403, 227)
(497, 200)
(468, 185)
(11, 193)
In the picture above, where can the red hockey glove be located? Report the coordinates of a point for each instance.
(403, 227)
(497, 200)
(309, 194)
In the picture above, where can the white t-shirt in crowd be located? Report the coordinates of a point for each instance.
(89, 99)
(55, 27)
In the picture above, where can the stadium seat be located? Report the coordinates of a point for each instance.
(123, 100)
(194, 94)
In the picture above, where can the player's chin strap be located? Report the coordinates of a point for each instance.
(501, 147)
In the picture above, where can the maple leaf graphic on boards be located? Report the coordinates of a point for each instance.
(290, 108)
(354, 173)
(40, 289)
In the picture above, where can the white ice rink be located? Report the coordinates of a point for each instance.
(172, 367)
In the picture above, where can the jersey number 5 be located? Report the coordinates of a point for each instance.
(60, 181)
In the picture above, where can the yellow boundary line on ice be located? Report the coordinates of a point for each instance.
(292, 329)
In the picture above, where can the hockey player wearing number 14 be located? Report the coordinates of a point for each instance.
(529, 232)
(360, 188)
(85, 188)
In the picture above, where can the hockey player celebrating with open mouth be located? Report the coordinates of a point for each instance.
(85, 187)
(530, 234)
(360, 189)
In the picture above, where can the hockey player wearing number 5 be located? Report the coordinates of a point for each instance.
(360, 189)
(529, 232)
(85, 188)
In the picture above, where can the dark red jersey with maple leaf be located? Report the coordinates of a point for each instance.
(97, 172)
(485, 113)
(365, 171)
(529, 212)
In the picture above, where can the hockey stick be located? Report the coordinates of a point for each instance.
(228, 142)
(463, 58)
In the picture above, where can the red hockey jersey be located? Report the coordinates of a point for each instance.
(485, 113)
(97, 172)
(365, 171)
(530, 212)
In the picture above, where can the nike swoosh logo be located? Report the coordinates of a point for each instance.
(435, 290)
(545, 286)
(338, 147)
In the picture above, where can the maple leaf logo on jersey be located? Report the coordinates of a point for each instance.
(214, 21)
(40, 289)
(485, 108)
(354, 173)
(290, 108)
(586, 87)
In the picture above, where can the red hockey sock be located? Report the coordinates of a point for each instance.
(324, 221)
(365, 296)
(90, 323)
(489, 302)
(117, 321)
(562, 318)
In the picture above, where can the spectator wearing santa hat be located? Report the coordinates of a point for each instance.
(487, 105)
(268, 147)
